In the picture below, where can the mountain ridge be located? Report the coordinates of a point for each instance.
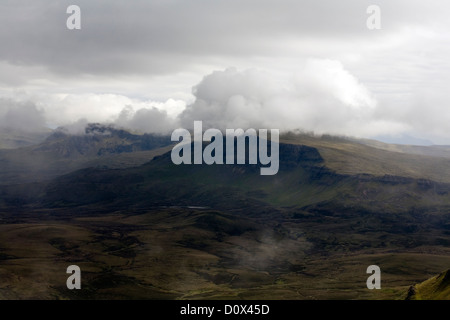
(61, 153)
(303, 180)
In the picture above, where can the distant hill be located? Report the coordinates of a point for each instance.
(108, 147)
(303, 181)
(354, 156)
(98, 140)
(432, 150)
(61, 153)
(436, 288)
(315, 173)
(403, 139)
(13, 138)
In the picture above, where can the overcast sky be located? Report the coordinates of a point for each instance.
(156, 65)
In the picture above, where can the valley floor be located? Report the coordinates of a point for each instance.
(199, 253)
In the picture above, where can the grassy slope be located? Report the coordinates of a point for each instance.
(435, 150)
(349, 157)
(435, 288)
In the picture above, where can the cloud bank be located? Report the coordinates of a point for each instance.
(322, 96)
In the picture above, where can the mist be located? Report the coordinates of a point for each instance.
(23, 116)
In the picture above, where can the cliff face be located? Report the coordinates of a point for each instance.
(99, 140)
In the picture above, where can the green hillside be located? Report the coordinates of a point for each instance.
(436, 288)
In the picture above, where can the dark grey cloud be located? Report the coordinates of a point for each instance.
(121, 37)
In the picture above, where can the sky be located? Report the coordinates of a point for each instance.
(154, 66)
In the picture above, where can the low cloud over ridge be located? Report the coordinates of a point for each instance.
(322, 97)
(319, 96)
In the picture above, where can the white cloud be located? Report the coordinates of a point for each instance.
(322, 97)
(75, 110)
(146, 120)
